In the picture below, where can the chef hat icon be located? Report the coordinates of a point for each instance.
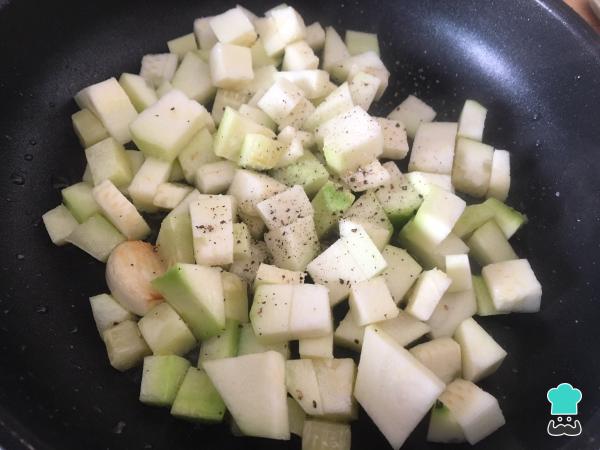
(564, 399)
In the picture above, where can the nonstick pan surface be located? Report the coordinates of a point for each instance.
(534, 64)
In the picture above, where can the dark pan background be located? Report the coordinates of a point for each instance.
(534, 64)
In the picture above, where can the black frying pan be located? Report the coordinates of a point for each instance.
(534, 64)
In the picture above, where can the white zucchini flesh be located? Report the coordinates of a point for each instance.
(269, 274)
(193, 78)
(459, 270)
(472, 120)
(368, 212)
(442, 356)
(198, 152)
(297, 416)
(427, 293)
(88, 128)
(125, 346)
(366, 177)
(472, 167)
(169, 195)
(212, 229)
(513, 286)
(488, 245)
(290, 25)
(481, 354)
(280, 99)
(360, 42)
(363, 89)
(370, 301)
(337, 102)
(158, 68)
(443, 427)
(253, 389)
(242, 242)
(250, 344)
(250, 188)
(476, 411)
(165, 332)
(451, 310)
(393, 387)
(302, 384)
(336, 380)
(404, 329)
(500, 176)
(334, 49)
(299, 56)
(163, 129)
(120, 211)
(401, 272)
(225, 98)
(230, 65)
(144, 185)
(233, 27)
(59, 223)
(412, 112)
(395, 141)
(257, 115)
(205, 36)
(246, 269)
(107, 312)
(96, 236)
(109, 103)
(348, 334)
(295, 245)
(285, 208)
(313, 83)
(315, 36)
(182, 45)
(433, 148)
(320, 347)
(141, 94)
(319, 435)
(107, 160)
(423, 181)
(215, 177)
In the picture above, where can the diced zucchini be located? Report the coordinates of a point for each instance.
(285, 208)
(161, 378)
(443, 427)
(437, 215)
(235, 295)
(204, 33)
(296, 417)
(230, 65)
(321, 347)
(359, 42)
(88, 128)
(280, 99)
(227, 98)
(442, 356)
(110, 104)
(59, 223)
(212, 229)
(141, 94)
(246, 269)
(182, 45)
(260, 58)
(481, 354)
(507, 218)
(193, 78)
(125, 346)
(196, 293)
(451, 310)
(107, 312)
(367, 176)
(398, 198)
(401, 272)
(215, 177)
(268, 274)
(169, 195)
(335, 378)
(233, 27)
(253, 388)
(459, 270)
(107, 161)
(368, 62)
(472, 167)
(250, 344)
(330, 203)
(165, 332)
(299, 56)
(427, 293)
(223, 345)
(395, 143)
(242, 242)
(404, 329)
(396, 403)
(174, 240)
(371, 301)
(302, 384)
(146, 181)
(270, 37)
(500, 176)
(355, 139)
(196, 153)
(231, 133)
(257, 115)
(412, 112)
(433, 147)
(368, 212)
(513, 286)
(348, 334)
(197, 399)
(293, 246)
(476, 411)
(160, 68)
(260, 152)
(167, 126)
(422, 182)
(307, 172)
(334, 49)
(485, 304)
(472, 121)
(313, 83)
(489, 245)
(315, 36)
(337, 102)
(96, 236)
(320, 435)
(136, 159)
(363, 89)
(120, 211)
